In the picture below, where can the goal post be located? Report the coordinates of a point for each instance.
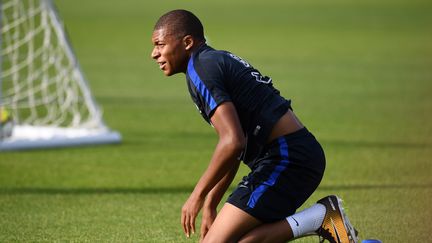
(45, 101)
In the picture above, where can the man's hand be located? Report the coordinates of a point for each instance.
(208, 218)
(190, 211)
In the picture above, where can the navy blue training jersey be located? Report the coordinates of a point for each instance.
(215, 76)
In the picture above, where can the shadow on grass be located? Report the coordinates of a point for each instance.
(84, 191)
(374, 144)
(373, 187)
(179, 190)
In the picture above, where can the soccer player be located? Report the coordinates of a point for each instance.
(256, 125)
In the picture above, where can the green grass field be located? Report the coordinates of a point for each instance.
(360, 77)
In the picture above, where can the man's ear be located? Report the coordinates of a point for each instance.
(188, 42)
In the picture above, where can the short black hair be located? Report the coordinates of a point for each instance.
(181, 22)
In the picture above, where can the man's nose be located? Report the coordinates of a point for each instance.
(155, 53)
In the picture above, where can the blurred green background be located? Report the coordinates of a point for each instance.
(360, 77)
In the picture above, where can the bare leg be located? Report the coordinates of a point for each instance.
(230, 225)
(279, 231)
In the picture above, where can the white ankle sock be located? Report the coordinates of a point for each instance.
(308, 220)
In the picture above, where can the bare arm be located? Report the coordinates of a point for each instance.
(223, 164)
(231, 143)
(215, 195)
(213, 198)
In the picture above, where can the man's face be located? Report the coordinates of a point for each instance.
(169, 52)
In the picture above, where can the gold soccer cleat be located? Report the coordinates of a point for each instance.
(336, 227)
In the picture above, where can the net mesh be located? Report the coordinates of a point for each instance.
(44, 98)
(41, 83)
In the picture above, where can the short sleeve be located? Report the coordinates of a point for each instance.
(207, 81)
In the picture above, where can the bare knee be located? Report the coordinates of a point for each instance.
(218, 234)
(275, 232)
(230, 225)
(210, 238)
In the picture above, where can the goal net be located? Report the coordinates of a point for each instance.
(45, 100)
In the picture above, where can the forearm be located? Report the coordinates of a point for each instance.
(221, 170)
(215, 195)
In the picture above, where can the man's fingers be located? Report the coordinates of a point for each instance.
(204, 231)
(188, 223)
(184, 222)
(187, 226)
(192, 223)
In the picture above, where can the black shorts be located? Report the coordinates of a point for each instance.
(288, 171)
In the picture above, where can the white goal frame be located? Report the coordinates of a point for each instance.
(76, 119)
